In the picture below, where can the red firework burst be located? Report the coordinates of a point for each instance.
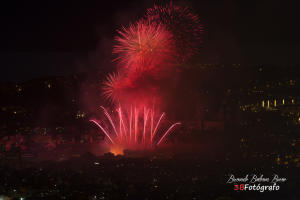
(114, 86)
(144, 46)
(182, 23)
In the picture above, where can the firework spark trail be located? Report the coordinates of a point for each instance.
(136, 113)
(151, 125)
(130, 123)
(162, 115)
(104, 131)
(145, 123)
(120, 124)
(167, 132)
(110, 120)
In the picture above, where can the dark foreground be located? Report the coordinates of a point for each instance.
(190, 175)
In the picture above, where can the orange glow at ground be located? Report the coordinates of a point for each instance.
(116, 150)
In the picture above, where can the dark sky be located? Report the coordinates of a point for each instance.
(53, 38)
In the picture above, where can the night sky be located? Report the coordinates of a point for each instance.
(57, 38)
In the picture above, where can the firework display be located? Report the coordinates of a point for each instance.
(147, 53)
